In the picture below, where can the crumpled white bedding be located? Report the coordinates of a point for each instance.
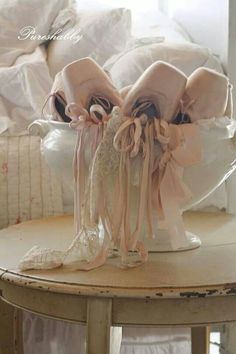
(21, 18)
(125, 68)
(58, 337)
(155, 341)
(23, 89)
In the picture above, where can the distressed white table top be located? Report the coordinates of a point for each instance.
(209, 270)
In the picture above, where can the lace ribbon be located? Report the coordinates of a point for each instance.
(90, 126)
(87, 139)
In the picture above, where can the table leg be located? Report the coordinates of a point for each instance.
(18, 331)
(101, 337)
(200, 337)
(228, 338)
(6, 328)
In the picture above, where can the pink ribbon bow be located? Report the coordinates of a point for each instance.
(81, 118)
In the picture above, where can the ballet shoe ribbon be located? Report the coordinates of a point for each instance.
(181, 148)
(128, 138)
(81, 118)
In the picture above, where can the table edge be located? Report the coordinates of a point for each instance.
(122, 292)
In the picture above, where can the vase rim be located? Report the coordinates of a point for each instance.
(59, 125)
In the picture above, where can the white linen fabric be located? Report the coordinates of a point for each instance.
(147, 19)
(126, 68)
(15, 15)
(23, 90)
(38, 55)
(155, 341)
(28, 188)
(43, 335)
(58, 337)
(103, 33)
(157, 24)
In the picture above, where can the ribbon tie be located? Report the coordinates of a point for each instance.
(181, 148)
(165, 158)
(161, 184)
(81, 118)
(135, 135)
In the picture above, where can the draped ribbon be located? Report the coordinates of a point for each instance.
(134, 135)
(161, 184)
(90, 126)
(181, 148)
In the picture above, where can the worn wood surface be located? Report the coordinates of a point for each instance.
(200, 337)
(6, 328)
(181, 312)
(207, 271)
(192, 288)
(54, 305)
(228, 338)
(18, 331)
(99, 321)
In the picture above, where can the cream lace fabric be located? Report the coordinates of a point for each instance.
(90, 236)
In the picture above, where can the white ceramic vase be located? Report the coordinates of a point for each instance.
(218, 162)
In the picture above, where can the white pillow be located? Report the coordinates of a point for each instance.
(38, 55)
(125, 69)
(16, 15)
(23, 89)
(103, 33)
(149, 22)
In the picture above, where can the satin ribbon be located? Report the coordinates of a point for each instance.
(129, 132)
(161, 184)
(181, 148)
(81, 118)
(133, 135)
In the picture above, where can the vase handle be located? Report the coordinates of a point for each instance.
(39, 127)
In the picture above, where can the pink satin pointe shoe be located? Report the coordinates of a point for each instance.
(57, 101)
(155, 95)
(89, 93)
(124, 91)
(163, 85)
(207, 95)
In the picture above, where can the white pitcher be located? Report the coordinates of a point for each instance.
(218, 141)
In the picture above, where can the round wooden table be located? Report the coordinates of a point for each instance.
(191, 288)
